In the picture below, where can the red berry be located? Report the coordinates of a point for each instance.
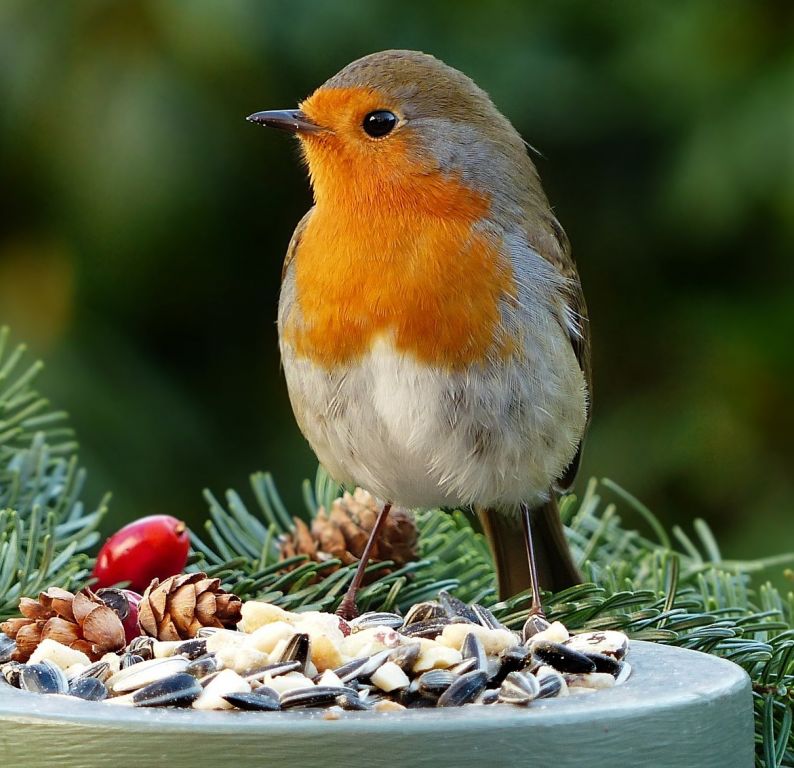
(131, 628)
(149, 548)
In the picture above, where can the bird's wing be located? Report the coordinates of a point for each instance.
(294, 243)
(549, 240)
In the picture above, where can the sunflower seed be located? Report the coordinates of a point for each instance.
(405, 656)
(7, 648)
(359, 669)
(488, 696)
(604, 663)
(129, 660)
(466, 688)
(423, 612)
(623, 673)
(143, 646)
(435, 681)
(519, 688)
(473, 648)
(88, 688)
(351, 701)
(350, 671)
(145, 673)
(192, 649)
(562, 657)
(44, 677)
(485, 618)
(316, 696)
(456, 609)
(298, 649)
(255, 701)
(551, 684)
(204, 665)
(467, 665)
(376, 619)
(431, 628)
(274, 670)
(177, 690)
(99, 669)
(510, 660)
(11, 671)
(265, 690)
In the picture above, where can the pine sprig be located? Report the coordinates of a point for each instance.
(24, 413)
(45, 528)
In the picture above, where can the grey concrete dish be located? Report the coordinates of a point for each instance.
(679, 709)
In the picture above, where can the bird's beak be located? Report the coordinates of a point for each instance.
(291, 120)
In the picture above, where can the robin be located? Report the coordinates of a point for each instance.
(432, 327)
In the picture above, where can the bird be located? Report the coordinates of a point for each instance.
(433, 332)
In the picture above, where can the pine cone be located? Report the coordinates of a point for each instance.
(180, 606)
(81, 621)
(343, 532)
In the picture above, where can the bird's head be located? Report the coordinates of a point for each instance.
(395, 129)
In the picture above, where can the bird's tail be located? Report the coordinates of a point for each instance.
(556, 568)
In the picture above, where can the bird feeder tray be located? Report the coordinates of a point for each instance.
(679, 708)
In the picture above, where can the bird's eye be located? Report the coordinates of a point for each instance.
(379, 123)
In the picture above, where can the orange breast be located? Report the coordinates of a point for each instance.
(420, 275)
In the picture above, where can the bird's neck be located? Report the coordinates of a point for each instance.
(416, 269)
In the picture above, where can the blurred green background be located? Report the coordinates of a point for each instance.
(143, 225)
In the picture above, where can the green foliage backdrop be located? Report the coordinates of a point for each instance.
(144, 224)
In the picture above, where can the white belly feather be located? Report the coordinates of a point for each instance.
(494, 435)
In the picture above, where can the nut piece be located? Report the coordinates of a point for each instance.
(59, 654)
(594, 680)
(256, 614)
(233, 650)
(389, 677)
(289, 682)
(325, 637)
(494, 641)
(369, 641)
(433, 655)
(113, 660)
(329, 679)
(226, 681)
(269, 635)
(225, 645)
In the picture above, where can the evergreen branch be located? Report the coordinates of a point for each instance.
(44, 527)
(23, 412)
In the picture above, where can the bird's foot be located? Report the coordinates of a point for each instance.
(347, 610)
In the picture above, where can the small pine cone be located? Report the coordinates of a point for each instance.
(81, 621)
(343, 532)
(178, 607)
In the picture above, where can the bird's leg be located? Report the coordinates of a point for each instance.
(537, 606)
(347, 608)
